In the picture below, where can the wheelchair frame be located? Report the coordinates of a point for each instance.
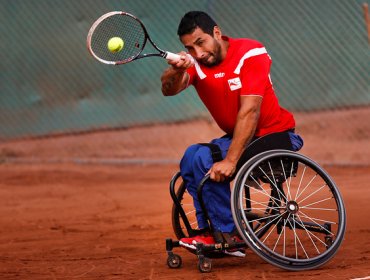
(283, 216)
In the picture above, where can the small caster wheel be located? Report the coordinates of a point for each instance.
(174, 261)
(328, 241)
(205, 265)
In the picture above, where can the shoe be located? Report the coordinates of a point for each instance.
(236, 238)
(206, 239)
(190, 242)
(236, 252)
(187, 242)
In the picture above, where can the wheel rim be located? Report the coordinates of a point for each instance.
(280, 229)
(190, 212)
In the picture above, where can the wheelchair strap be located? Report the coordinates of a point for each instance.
(215, 151)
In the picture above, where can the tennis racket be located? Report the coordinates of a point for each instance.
(133, 33)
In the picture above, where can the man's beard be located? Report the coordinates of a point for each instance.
(216, 55)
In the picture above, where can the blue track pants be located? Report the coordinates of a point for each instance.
(195, 163)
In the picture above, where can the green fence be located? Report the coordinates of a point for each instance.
(50, 84)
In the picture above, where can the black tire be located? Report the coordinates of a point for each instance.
(293, 207)
(174, 261)
(186, 202)
(178, 225)
(205, 265)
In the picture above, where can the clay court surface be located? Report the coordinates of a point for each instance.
(93, 206)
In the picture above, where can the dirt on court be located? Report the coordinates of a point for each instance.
(73, 221)
(95, 206)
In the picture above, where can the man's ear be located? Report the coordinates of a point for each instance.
(217, 34)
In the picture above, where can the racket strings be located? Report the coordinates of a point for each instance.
(123, 26)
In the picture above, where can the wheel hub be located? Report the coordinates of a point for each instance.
(292, 207)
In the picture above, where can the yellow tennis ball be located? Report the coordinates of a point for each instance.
(115, 44)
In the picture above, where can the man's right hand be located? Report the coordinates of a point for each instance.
(174, 79)
(185, 62)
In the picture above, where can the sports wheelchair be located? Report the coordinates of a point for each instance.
(286, 209)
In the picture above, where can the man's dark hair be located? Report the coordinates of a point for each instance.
(191, 20)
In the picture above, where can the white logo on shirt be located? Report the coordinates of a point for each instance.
(235, 83)
(219, 75)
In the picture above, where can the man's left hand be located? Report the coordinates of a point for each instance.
(222, 170)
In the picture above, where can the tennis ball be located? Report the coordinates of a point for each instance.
(115, 44)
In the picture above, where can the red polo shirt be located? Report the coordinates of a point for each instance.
(244, 72)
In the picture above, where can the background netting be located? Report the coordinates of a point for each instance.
(49, 84)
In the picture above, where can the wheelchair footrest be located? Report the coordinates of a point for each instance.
(204, 252)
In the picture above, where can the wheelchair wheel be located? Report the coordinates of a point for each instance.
(186, 201)
(184, 221)
(174, 261)
(288, 210)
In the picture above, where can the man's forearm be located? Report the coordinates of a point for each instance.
(173, 81)
(243, 134)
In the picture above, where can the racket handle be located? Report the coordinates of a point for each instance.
(176, 57)
(172, 56)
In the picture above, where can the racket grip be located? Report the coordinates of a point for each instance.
(172, 56)
(175, 57)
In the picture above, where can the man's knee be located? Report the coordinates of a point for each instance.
(187, 159)
(197, 160)
(202, 160)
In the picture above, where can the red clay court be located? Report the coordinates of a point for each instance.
(94, 218)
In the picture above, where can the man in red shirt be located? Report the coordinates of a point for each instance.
(232, 78)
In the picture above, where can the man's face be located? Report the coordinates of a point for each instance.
(206, 49)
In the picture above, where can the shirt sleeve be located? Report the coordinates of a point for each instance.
(192, 74)
(255, 75)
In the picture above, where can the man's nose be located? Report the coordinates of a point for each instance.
(199, 53)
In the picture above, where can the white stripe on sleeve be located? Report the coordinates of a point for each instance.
(199, 71)
(248, 54)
